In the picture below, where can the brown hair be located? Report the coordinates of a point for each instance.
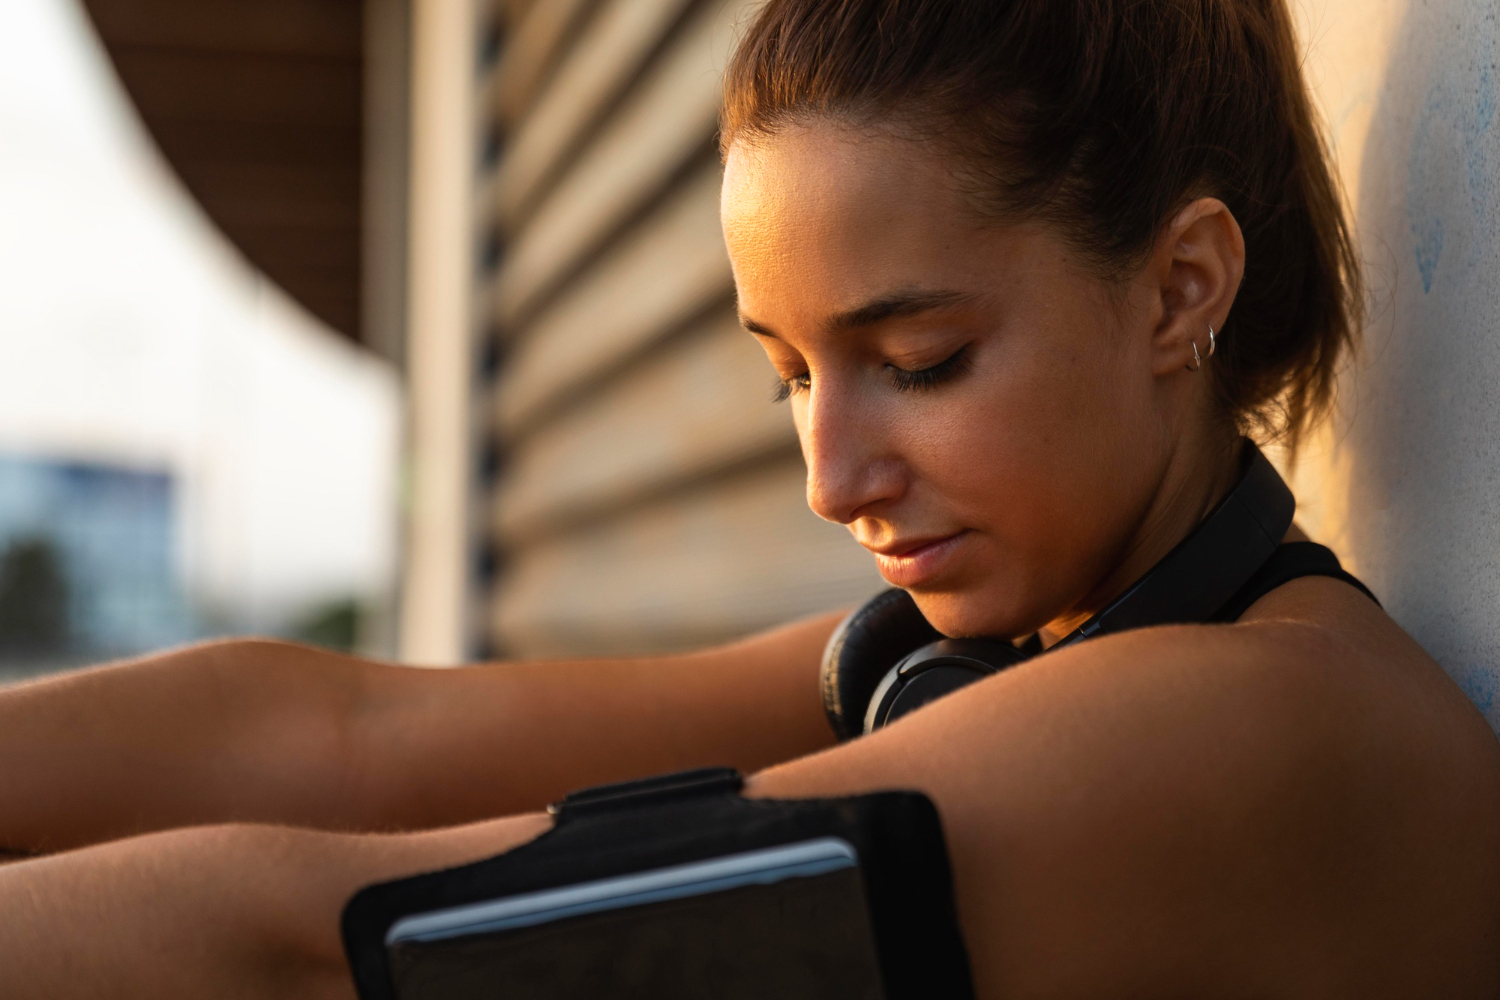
(1105, 116)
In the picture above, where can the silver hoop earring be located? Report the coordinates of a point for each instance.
(1197, 358)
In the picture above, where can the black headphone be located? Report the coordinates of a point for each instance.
(885, 660)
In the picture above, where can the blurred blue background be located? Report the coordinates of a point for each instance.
(87, 562)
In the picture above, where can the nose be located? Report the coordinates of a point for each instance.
(851, 467)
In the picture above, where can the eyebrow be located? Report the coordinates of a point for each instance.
(896, 306)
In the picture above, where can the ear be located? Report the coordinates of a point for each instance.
(1197, 265)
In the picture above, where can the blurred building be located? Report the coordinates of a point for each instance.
(87, 563)
(516, 200)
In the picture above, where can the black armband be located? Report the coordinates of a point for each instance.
(678, 887)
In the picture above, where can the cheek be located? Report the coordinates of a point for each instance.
(1046, 458)
(1041, 429)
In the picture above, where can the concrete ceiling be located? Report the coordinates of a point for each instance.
(257, 105)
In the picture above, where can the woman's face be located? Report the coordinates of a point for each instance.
(985, 415)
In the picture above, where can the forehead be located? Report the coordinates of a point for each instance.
(826, 184)
(847, 214)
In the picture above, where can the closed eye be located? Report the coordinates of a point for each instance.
(788, 387)
(904, 379)
(924, 379)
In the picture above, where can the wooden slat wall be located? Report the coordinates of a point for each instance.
(647, 494)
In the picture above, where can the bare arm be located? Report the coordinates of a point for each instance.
(228, 912)
(258, 731)
(1270, 810)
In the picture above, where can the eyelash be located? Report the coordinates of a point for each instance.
(921, 380)
(787, 386)
(932, 376)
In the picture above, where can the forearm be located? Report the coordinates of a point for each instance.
(258, 731)
(239, 730)
(225, 912)
(446, 747)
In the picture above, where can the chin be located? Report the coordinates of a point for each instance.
(964, 614)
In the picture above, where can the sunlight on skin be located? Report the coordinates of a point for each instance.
(1298, 804)
(1066, 449)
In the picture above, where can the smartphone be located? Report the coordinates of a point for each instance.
(789, 922)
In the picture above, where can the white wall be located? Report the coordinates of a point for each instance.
(1406, 484)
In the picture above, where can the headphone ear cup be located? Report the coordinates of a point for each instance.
(935, 670)
(862, 650)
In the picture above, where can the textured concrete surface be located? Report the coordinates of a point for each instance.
(1406, 484)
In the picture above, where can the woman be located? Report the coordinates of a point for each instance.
(1027, 270)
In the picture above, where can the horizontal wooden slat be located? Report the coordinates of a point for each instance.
(514, 11)
(704, 567)
(531, 49)
(671, 267)
(610, 50)
(670, 116)
(701, 404)
(533, 44)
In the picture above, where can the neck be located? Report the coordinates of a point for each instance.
(1193, 481)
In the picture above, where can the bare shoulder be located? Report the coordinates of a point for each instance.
(1390, 777)
(1373, 680)
(1298, 804)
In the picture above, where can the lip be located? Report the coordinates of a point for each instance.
(909, 563)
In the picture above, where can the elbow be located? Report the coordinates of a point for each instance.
(292, 722)
(268, 901)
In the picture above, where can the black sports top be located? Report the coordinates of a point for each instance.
(1290, 561)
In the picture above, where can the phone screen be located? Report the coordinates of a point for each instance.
(787, 922)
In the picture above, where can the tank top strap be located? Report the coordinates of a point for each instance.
(1290, 561)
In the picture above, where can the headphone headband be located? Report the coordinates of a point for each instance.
(1204, 570)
